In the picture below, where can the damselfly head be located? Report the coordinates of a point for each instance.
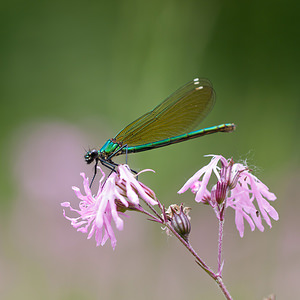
(90, 156)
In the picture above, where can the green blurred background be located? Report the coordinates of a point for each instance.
(73, 73)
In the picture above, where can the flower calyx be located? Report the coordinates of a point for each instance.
(180, 220)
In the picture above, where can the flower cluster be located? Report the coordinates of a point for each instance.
(236, 188)
(119, 192)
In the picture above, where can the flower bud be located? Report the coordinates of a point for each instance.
(180, 220)
(221, 192)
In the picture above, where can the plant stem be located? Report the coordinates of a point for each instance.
(216, 277)
(222, 286)
(220, 263)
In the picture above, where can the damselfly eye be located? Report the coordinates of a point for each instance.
(90, 156)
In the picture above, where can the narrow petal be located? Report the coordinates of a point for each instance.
(118, 221)
(192, 180)
(206, 173)
(263, 205)
(134, 189)
(239, 222)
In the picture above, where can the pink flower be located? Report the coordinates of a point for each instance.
(236, 188)
(97, 212)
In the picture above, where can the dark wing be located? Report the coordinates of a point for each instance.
(180, 113)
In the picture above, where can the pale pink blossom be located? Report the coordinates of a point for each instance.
(237, 188)
(119, 192)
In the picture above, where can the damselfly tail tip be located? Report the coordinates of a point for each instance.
(230, 127)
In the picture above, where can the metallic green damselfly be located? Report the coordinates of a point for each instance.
(168, 123)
